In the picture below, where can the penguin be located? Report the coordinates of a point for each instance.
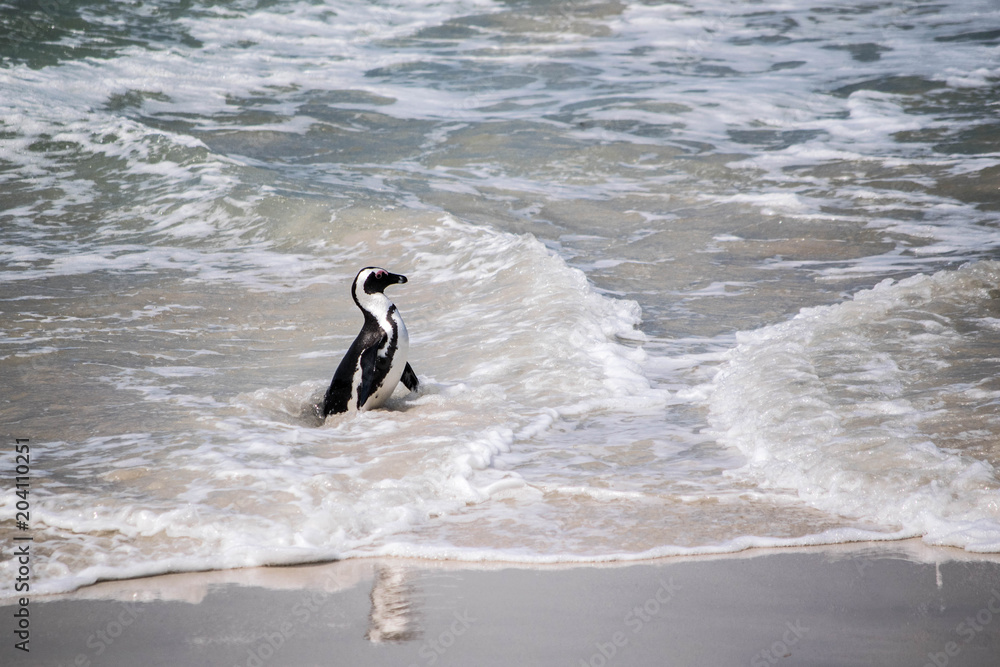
(376, 361)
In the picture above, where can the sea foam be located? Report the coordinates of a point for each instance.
(840, 406)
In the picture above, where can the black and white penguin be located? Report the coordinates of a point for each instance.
(376, 361)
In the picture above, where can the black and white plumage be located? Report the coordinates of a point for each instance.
(376, 361)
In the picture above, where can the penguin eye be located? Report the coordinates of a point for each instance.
(380, 274)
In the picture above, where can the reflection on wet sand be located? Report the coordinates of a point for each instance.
(393, 615)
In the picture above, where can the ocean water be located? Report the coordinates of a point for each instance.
(687, 277)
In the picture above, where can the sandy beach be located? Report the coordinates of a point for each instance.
(862, 604)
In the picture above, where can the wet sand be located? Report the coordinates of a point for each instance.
(863, 604)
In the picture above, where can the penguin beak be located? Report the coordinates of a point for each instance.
(398, 278)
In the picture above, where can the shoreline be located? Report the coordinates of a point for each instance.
(861, 603)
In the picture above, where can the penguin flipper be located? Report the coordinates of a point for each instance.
(409, 378)
(367, 363)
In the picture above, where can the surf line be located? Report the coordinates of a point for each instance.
(22, 543)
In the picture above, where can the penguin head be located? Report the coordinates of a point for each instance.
(368, 287)
(373, 280)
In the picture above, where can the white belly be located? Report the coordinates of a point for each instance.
(382, 394)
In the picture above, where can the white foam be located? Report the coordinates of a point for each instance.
(822, 405)
(265, 486)
(529, 395)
